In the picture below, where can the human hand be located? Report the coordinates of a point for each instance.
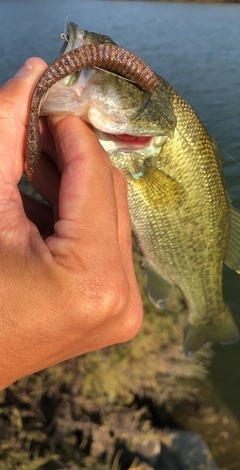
(76, 290)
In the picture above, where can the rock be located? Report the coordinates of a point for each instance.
(189, 450)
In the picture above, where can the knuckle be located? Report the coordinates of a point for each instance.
(115, 297)
(124, 307)
(133, 320)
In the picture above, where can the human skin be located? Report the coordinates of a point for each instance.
(71, 288)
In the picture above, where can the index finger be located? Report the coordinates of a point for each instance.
(87, 196)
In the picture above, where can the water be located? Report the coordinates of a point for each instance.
(194, 46)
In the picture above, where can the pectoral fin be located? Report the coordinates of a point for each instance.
(157, 188)
(159, 289)
(232, 257)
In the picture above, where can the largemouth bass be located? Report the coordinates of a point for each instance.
(181, 215)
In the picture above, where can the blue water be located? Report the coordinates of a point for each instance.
(194, 46)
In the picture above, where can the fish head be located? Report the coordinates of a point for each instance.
(125, 118)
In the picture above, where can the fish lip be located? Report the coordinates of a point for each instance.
(74, 38)
(70, 39)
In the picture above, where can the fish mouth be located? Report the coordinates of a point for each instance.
(76, 37)
(138, 145)
(133, 138)
(72, 39)
(123, 142)
(130, 142)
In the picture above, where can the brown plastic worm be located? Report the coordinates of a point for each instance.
(107, 56)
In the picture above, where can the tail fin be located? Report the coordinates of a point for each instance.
(222, 329)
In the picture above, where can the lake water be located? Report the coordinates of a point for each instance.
(194, 46)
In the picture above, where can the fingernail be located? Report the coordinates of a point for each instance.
(24, 70)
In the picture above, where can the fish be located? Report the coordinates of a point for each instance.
(181, 214)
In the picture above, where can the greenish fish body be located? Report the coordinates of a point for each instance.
(181, 215)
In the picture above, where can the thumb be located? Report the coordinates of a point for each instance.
(15, 96)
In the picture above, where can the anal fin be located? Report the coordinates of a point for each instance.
(159, 289)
